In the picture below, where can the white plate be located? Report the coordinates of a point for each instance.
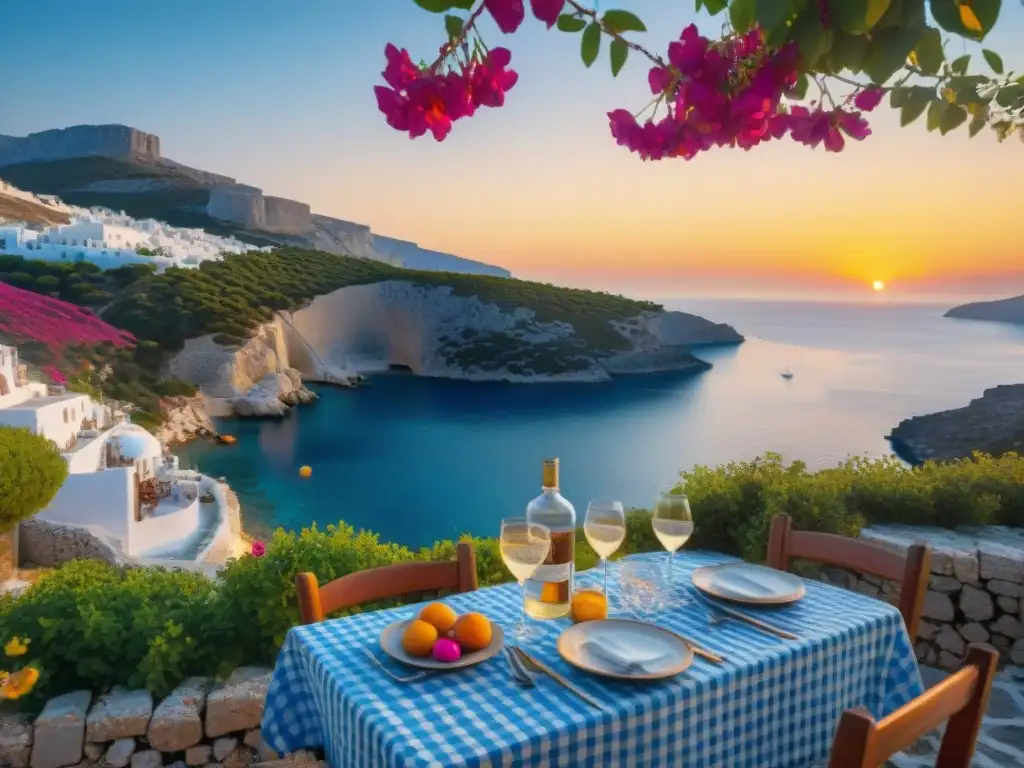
(749, 584)
(391, 644)
(624, 649)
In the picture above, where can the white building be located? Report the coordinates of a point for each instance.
(121, 483)
(110, 239)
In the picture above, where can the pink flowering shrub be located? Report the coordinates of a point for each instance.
(259, 549)
(57, 325)
(739, 90)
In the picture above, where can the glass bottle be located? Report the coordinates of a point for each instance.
(549, 590)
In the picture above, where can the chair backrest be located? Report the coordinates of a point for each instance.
(315, 601)
(962, 698)
(911, 570)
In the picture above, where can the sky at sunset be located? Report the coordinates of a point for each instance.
(279, 95)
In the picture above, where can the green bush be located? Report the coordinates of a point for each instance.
(32, 470)
(151, 627)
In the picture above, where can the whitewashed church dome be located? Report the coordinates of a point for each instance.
(136, 443)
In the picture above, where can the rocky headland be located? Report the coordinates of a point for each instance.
(432, 331)
(1003, 311)
(993, 423)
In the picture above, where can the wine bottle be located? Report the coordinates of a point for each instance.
(549, 590)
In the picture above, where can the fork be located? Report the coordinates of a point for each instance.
(397, 678)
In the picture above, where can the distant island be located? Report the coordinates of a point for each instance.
(1003, 310)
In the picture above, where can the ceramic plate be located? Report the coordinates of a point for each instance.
(623, 649)
(749, 584)
(391, 643)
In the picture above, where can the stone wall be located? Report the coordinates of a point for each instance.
(118, 141)
(49, 544)
(201, 723)
(975, 595)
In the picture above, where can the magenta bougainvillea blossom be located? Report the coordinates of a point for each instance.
(259, 549)
(26, 316)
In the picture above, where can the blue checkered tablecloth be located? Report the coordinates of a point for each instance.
(773, 703)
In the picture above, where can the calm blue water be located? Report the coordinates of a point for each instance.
(420, 459)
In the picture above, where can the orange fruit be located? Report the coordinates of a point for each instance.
(473, 631)
(419, 638)
(589, 605)
(441, 616)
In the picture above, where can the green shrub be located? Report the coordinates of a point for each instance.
(32, 470)
(151, 627)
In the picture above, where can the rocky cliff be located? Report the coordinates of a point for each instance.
(1004, 310)
(993, 423)
(118, 141)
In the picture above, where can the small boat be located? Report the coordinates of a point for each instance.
(787, 374)
(227, 439)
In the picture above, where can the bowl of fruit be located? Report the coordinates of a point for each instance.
(439, 638)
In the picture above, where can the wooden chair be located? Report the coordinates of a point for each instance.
(962, 698)
(387, 581)
(912, 570)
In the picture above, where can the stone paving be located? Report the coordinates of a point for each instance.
(1001, 742)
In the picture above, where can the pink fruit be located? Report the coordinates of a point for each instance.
(447, 650)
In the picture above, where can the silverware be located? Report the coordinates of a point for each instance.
(560, 680)
(724, 614)
(397, 678)
(519, 672)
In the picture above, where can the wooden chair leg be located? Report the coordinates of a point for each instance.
(961, 735)
(466, 558)
(778, 542)
(853, 745)
(308, 590)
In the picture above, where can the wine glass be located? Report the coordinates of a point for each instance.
(524, 547)
(673, 524)
(605, 529)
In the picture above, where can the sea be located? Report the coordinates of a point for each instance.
(417, 460)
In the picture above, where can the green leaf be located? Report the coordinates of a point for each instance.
(848, 51)
(929, 51)
(569, 23)
(453, 26)
(952, 118)
(972, 19)
(959, 65)
(812, 41)
(993, 60)
(893, 16)
(1007, 95)
(936, 109)
(622, 21)
(741, 14)
(465, 5)
(590, 43)
(977, 123)
(714, 7)
(857, 16)
(619, 52)
(436, 6)
(799, 91)
(771, 13)
(888, 51)
(913, 103)
(965, 89)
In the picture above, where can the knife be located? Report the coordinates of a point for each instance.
(740, 616)
(559, 679)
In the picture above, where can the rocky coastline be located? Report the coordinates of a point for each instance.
(993, 423)
(1001, 311)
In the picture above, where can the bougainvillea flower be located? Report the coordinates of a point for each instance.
(259, 549)
(18, 684)
(508, 14)
(490, 80)
(400, 70)
(547, 11)
(16, 647)
(867, 99)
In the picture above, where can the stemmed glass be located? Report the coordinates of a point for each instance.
(643, 587)
(673, 525)
(524, 547)
(605, 529)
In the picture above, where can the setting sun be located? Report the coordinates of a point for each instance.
(878, 285)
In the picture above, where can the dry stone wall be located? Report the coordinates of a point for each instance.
(975, 594)
(201, 723)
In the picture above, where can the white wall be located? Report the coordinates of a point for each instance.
(102, 499)
(164, 530)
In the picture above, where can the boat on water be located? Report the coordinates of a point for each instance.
(787, 374)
